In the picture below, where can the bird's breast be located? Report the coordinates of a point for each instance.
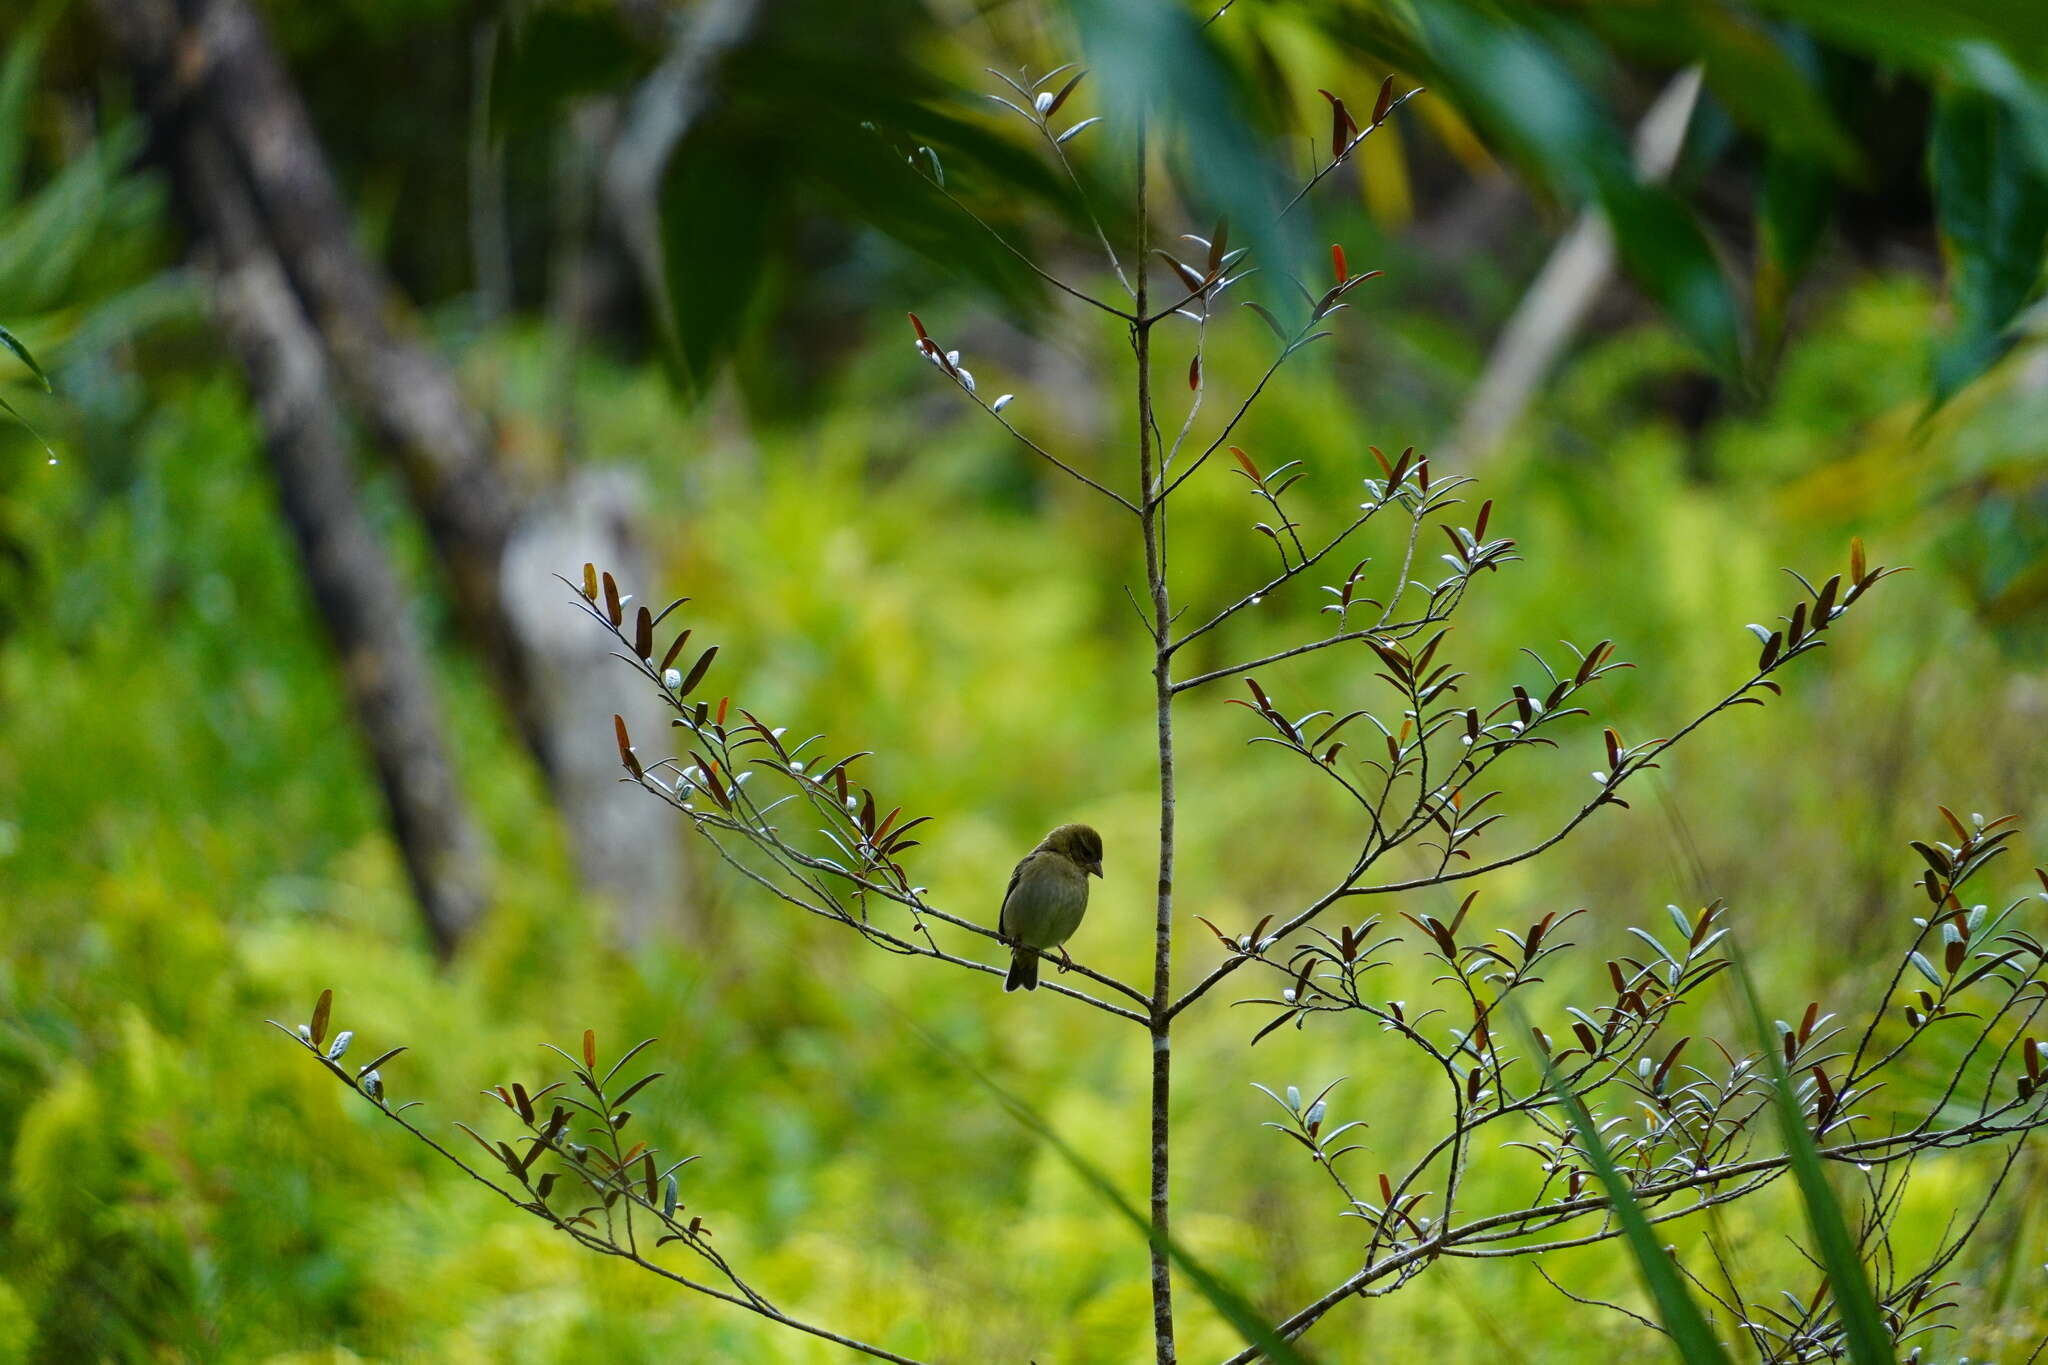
(1047, 904)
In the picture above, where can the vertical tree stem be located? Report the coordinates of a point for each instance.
(1153, 518)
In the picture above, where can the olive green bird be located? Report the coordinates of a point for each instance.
(1047, 895)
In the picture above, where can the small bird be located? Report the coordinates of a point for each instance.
(1047, 895)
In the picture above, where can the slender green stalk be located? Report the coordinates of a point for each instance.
(1152, 518)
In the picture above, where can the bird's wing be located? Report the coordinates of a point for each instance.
(1015, 875)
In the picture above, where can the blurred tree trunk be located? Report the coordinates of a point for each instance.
(209, 66)
(659, 113)
(384, 663)
(1580, 266)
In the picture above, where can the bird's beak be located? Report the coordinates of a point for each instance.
(1095, 868)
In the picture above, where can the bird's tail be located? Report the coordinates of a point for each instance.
(1023, 970)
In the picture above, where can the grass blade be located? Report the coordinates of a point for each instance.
(1863, 1326)
(1677, 1310)
(1221, 1296)
(13, 343)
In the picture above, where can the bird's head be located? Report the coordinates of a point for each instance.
(1080, 843)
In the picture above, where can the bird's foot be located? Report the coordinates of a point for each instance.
(1066, 960)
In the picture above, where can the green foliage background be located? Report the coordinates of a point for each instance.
(189, 840)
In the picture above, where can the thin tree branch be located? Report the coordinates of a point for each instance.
(1399, 631)
(745, 1298)
(1349, 887)
(1033, 266)
(1152, 521)
(752, 823)
(1053, 459)
(1228, 427)
(908, 947)
(1345, 154)
(1451, 1242)
(1059, 149)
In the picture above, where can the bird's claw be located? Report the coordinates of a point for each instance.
(1066, 960)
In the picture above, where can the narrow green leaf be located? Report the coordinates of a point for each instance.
(1266, 316)
(697, 671)
(378, 1064)
(1862, 1324)
(1219, 1293)
(13, 343)
(630, 1091)
(1676, 1309)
